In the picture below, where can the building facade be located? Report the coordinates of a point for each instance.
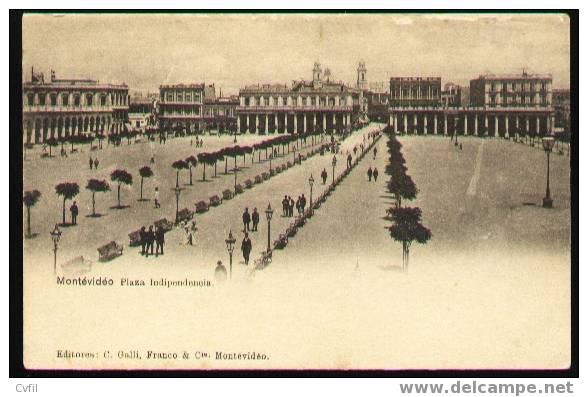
(142, 112)
(220, 113)
(318, 105)
(61, 108)
(181, 106)
(561, 108)
(415, 91)
(499, 106)
(451, 96)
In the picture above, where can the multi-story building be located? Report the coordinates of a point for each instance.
(321, 104)
(64, 107)
(181, 106)
(451, 96)
(511, 91)
(142, 112)
(415, 91)
(220, 113)
(561, 108)
(377, 105)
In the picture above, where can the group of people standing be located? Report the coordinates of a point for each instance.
(372, 173)
(94, 162)
(149, 237)
(288, 204)
(199, 142)
(250, 218)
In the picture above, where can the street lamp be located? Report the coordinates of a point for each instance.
(235, 140)
(230, 241)
(271, 156)
(548, 143)
(55, 236)
(311, 182)
(268, 214)
(334, 163)
(177, 191)
(235, 172)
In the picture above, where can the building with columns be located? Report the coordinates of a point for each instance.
(66, 107)
(415, 91)
(318, 105)
(181, 106)
(220, 113)
(499, 106)
(451, 95)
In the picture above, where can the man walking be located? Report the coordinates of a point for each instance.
(220, 273)
(369, 172)
(159, 240)
(150, 238)
(375, 152)
(285, 203)
(349, 161)
(246, 220)
(91, 162)
(74, 213)
(96, 163)
(143, 239)
(291, 207)
(156, 200)
(246, 248)
(375, 174)
(255, 219)
(302, 202)
(324, 176)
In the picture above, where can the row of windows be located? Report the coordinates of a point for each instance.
(397, 93)
(291, 101)
(179, 111)
(517, 86)
(118, 100)
(183, 97)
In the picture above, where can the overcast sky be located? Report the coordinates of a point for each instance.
(234, 50)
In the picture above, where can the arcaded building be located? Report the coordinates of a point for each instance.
(61, 108)
(318, 105)
(415, 91)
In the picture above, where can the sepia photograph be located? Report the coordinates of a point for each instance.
(309, 191)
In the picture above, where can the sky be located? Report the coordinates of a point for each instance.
(234, 50)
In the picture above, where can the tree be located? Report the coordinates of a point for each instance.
(96, 186)
(120, 177)
(192, 162)
(145, 172)
(179, 165)
(407, 228)
(29, 199)
(51, 142)
(68, 190)
(206, 158)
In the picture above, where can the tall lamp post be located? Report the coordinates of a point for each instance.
(311, 182)
(177, 191)
(548, 143)
(230, 241)
(55, 236)
(271, 156)
(235, 140)
(268, 215)
(334, 163)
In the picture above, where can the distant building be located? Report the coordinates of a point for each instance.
(377, 105)
(142, 112)
(561, 108)
(220, 113)
(415, 91)
(511, 91)
(362, 82)
(181, 106)
(451, 96)
(318, 105)
(61, 108)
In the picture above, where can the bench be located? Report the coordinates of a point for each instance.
(110, 251)
(201, 207)
(135, 238)
(227, 195)
(215, 201)
(264, 261)
(185, 215)
(281, 242)
(163, 224)
(248, 184)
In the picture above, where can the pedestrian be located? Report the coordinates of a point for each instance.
(324, 176)
(246, 220)
(285, 204)
(255, 219)
(159, 240)
(91, 162)
(74, 213)
(460, 147)
(370, 173)
(152, 161)
(143, 239)
(375, 174)
(156, 200)
(302, 202)
(299, 158)
(349, 161)
(355, 150)
(187, 233)
(291, 207)
(375, 152)
(150, 238)
(220, 273)
(193, 230)
(96, 163)
(298, 206)
(246, 248)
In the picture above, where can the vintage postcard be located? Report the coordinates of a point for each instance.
(328, 191)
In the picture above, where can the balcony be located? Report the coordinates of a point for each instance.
(269, 109)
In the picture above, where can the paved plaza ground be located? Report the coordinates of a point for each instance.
(495, 273)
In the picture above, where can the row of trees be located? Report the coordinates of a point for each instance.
(406, 221)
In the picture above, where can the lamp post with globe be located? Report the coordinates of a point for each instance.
(55, 236)
(230, 241)
(334, 163)
(548, 143)
(268, 215)
(311, 182)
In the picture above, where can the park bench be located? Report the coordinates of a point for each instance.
(281, 242)
(227, 194)
(201, 207)
(164, 224)
(215, 201)
(273, 171)
(238, 189)
(135, 238)
(265, 176)
(110, 251)
(248, 184)
(185, 215)
(291, 231)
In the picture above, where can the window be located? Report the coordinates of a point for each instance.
(89, 99)
(188, 97)
(31, 99)
(65, 99)
(42, 99)
(170, 96)
(180, 97)
(103, 100)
